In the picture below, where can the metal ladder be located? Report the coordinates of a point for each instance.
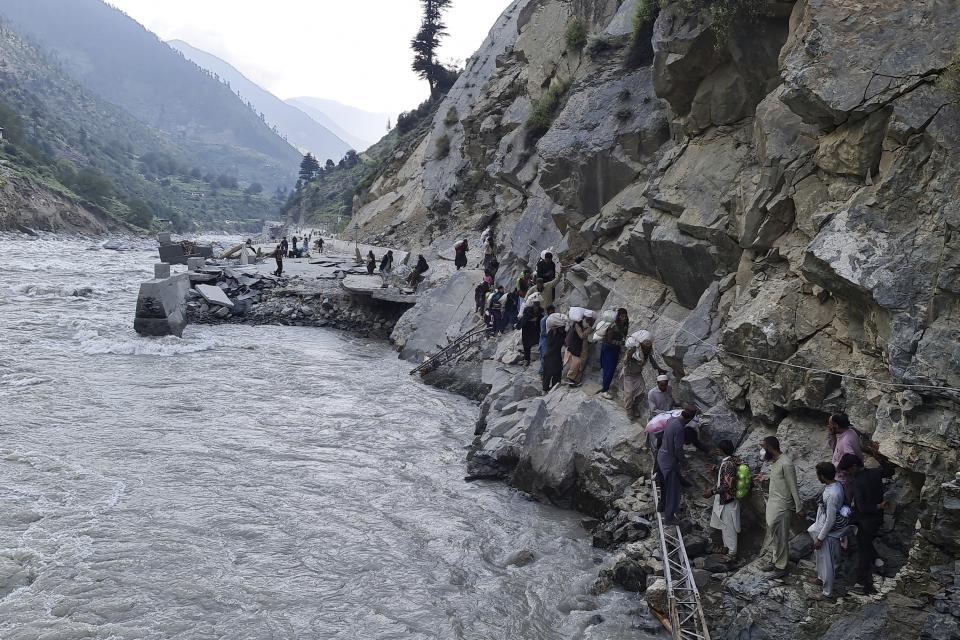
(686, 614)
(452, 351)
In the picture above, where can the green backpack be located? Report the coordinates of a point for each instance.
(744, 482)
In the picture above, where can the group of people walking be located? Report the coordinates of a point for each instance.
(852, 499)
(297, 247)
(386, 263)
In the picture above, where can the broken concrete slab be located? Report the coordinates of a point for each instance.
(214, 295)
(161, 307)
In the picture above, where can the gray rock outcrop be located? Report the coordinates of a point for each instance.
(775, 199)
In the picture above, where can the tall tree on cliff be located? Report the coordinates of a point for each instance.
(309, 168)
(426, 43)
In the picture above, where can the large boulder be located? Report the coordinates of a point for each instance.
(599, 143)
(836, 68)
(580, 451)
(443, 312)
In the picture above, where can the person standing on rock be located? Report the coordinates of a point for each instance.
(496, 311)
(577, 348)
(530, 329)
(843, 440)
(278, 254)
(725, 514)
(319, 245)
(553, 357)
(480, 296)
(285, 245)
(613, 339)
(670, 460)
(371, 262)
(868, 508)
(489, 252)
(523, 283)
(510, 306)
(386, 263)
(542, 346)
(460, 254)
(293, 252)
(547, 288)
(640, 353)
(783, 500)
(830, 526)
(660, 398)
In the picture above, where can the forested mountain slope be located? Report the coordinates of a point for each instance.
(116, 58)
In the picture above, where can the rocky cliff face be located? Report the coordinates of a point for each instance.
(776, 200)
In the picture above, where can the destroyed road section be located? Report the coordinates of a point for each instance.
(313, 295)
(780, 208)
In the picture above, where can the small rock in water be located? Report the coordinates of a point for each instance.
(521, 558)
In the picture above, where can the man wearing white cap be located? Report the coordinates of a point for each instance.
(640, 353)
(660, 398)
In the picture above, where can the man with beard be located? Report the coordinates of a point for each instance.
(784, 494)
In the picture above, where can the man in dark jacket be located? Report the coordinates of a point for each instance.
(670, 459)
(416, 275)
(530, 329)
(496, 311)
(510, 310)
(546, 268)
(480, 296)
(868, 508)
(386, 263)
(278, 254)
(553, 358)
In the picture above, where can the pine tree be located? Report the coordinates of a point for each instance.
(427, 41)
(309, 168)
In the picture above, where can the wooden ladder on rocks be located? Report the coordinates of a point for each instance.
(452, 351)
(687, 621)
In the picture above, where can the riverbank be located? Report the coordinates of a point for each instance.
(252, 482)
(575, 449)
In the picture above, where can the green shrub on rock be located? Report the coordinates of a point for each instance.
(546, 109)
(576, 35)
(723, 14)
(452, 117)
(443, 147)
(950, 78)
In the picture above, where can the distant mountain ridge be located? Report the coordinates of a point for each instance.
(366, 126)
(300, 129)
(116, 58)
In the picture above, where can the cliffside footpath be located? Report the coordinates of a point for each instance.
(771, 188)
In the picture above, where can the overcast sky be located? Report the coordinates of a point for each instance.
(353, 51)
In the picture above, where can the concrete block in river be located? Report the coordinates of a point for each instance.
(195, 264)
(161, 306)
(161, 270)
(214, 295)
